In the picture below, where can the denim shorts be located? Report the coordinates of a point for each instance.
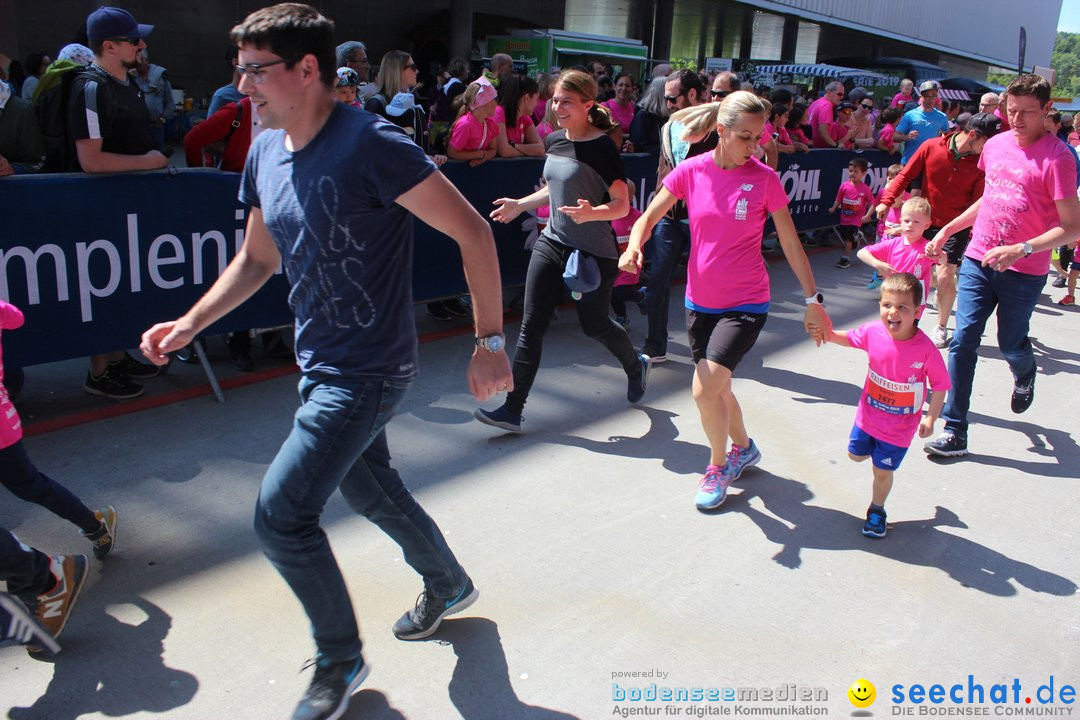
(884, 455)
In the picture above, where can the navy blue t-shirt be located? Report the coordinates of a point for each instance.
(345, 245)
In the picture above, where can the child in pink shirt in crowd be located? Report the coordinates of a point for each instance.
(513, 118)
(903, 360)
(627, 287)
(842, 131)
(906, 94)
(474, 136)
(889, 117)
(39, 581)
(904, 253)
(855, 202)
(889, 226)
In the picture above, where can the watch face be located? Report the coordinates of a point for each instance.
(496, 343)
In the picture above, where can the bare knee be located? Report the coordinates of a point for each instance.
(858, 458)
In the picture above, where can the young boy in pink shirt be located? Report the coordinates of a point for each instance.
(854, 200)
(902, 361)
(905, 253)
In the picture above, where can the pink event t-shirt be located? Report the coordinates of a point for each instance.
(623, 114)
(854, 200)
(892, 217)
(900, 99)
(820, 111)
(728, 209)
(886, 135)
(515, 135)
(622, 228)
(470, 134)
(11, 432)
(890, 408)
(906, 258)
(1018, 196)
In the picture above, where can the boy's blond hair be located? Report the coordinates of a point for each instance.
(904, 283)
(916, 204)
(894, 170)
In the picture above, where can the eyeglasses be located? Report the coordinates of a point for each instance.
(129, 40)
(360, 61)
(410, 66)
(868, 106)
(720, 94)
(255, 71)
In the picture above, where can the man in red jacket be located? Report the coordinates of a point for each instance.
(951, 182)
(228, 132)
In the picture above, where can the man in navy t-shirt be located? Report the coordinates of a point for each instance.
(332, 191)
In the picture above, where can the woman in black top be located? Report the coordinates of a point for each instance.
(586, 188)
(395, 101)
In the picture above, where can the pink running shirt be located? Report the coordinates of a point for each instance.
(1018, 196)
(906, 258)
(470, 134)
(623, 114)
(854, 200)
(11, 317)
(886, 136)
(728, 209)
(891, 405)
(900, 100)
(821, 111)
(514, 135)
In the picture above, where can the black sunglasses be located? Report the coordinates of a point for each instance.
(868, 107)
(410, 66)
(720, 93)
(131, 41)
(673, 98)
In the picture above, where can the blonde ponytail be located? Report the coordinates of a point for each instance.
(699, 120)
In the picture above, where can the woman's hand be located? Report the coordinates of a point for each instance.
(506, 209)
(630, 261)
(582, 212)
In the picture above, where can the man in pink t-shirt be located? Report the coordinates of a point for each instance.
(1028, 207)
(821, 114)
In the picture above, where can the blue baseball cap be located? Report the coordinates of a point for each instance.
(107, 23)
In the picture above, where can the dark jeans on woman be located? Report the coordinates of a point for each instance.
(26, 482)
(543, 291)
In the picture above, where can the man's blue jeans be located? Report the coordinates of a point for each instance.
(979, 291)
(669, 239)
(338, 440)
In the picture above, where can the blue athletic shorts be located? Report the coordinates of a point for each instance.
(884, 455)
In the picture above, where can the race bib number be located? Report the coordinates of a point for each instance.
(892, 397)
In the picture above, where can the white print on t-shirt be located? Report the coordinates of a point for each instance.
(892, 397)
(740, 209)
(747, 187)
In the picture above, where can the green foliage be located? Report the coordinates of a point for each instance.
(1065, 59)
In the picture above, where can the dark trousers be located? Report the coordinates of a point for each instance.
(26, 482)
(25, 569)
(543, 291)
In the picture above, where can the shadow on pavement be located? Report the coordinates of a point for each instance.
(913, 542)
(480, 686)
(1045, 443)
(371, 705)
(117, 672)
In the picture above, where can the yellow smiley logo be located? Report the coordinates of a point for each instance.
(862, 693)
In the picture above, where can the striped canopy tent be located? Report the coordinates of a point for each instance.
(865, 78)
(954, 94)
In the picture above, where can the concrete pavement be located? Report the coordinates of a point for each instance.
(593, 566)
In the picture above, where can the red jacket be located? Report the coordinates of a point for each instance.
(215, 129)
(949, 184)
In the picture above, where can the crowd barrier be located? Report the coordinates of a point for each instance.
(95, 260)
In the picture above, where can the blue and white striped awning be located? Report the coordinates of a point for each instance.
(859, 77)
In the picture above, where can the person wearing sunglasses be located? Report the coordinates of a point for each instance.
(111, 129)
(821, 114)
(862, 123)
(723, 85)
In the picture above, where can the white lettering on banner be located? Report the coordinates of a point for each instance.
(801, 184)
(165, 250)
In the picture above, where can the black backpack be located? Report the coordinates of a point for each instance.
(51, 108)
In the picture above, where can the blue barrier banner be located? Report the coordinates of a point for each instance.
(95, 260)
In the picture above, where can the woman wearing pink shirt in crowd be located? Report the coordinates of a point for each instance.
(906, 94)
(622, 105)
(776, 129)
(1074, 136)
(794, 128)
(513, 118)
(841, 131)
(729, 196)
(889, 117)
(546, 83)
(474, 135)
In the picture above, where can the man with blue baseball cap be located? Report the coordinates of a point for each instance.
(111, 130)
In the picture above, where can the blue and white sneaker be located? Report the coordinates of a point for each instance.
(875, 523)
(327, 697)
(741, 458)
(18, 626)
(424, 619)
(714, 486)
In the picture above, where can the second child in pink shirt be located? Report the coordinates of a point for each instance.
(905, 253)
(903, 363)
(474, 136)
(855, 201)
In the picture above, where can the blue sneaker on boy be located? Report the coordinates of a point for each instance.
(875, 522)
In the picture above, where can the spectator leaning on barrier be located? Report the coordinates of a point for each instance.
(822, 113)
(923, 123)
(153, 80)
(21, 148)
(110, 127)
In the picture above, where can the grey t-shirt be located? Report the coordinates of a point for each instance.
(345, 244)
(575, 170)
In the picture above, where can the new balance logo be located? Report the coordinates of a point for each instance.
(53, 608)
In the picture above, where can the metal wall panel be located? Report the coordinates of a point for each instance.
(987, 30)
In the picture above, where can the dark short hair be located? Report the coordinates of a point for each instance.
(688, 80)
(291, 30)
(1030, 84)
(859, 163)
(904, 283)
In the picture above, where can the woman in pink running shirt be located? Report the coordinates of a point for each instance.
(729, 195)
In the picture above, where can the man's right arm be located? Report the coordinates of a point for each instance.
(900, 183)
(257, 260)
(93, 159)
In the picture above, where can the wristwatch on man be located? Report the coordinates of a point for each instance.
(491, 343)
(1026, 247)
(816, 299)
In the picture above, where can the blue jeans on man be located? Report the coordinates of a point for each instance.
(338, 441)
(669, 240)
(979, 291)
